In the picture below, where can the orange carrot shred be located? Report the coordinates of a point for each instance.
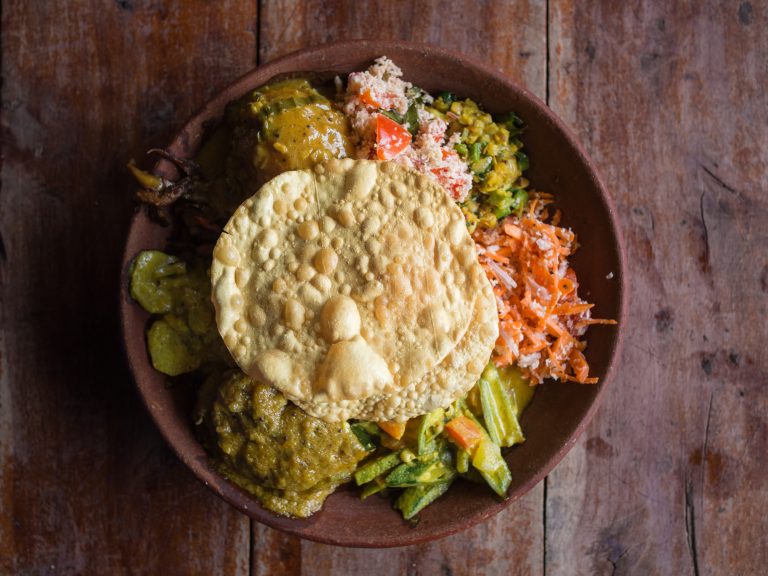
(541, 317)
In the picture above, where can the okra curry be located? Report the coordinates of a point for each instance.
(363, 288)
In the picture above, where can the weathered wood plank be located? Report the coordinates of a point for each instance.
(87, 484)
(509, 543)
(670, 101)
(510, 37)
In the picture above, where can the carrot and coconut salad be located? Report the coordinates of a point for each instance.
(541, 317)
(478, 160)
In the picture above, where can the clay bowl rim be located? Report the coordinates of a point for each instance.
(169, 429)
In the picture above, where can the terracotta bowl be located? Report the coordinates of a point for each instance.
(558, 412)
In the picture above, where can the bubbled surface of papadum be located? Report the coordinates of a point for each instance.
(344, 286)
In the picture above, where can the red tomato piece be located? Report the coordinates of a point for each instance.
(391, 138)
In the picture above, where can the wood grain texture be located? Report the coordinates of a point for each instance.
(87, 484)
(670, 101)
(510, 37)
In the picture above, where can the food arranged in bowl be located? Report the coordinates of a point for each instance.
(365, 288)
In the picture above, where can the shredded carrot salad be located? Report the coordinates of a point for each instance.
(541, 317)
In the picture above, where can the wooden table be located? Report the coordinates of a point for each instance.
(668, 98)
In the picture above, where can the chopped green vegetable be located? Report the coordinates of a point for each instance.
(415, 499)
(412, 119)
(481, 166)
(487, 459)
(474, 151)
(499, 410)
(373, 487)
(377, 467)
(446, 99)
(512, 122)
(505, 202)
(520, 199)
(492, 466)
(433, 467)
(462, 461)
(519, 386)
(407, 455)
(364, 435)
(392, 115)
(371, 427)
(408, 474)
(417, 472)
(430, 427)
